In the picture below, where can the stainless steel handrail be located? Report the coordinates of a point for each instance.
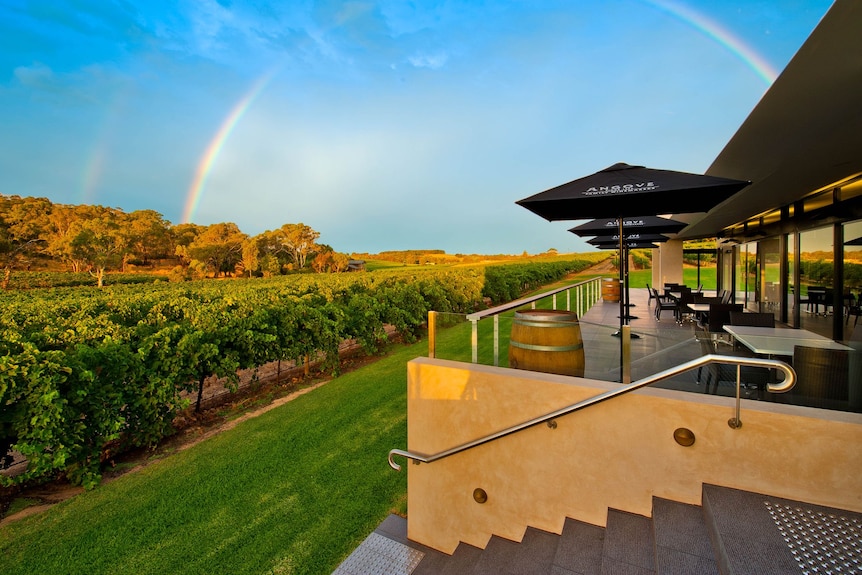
(582, 304)
(781, 387)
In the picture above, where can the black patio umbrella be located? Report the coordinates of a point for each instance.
(628, 239)
(854, 242)
(642, 224)
(629, 246)
(624, 191)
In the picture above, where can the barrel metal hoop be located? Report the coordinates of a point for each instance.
(549, 323)
(532, 347)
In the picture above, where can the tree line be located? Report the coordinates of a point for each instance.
(100, 239)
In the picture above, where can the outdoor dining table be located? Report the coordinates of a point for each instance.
(779, 341)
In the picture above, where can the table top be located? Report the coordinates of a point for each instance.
(773, 332)
(779, 341)
(698, 307)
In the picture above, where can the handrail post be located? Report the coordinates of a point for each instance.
(554, 301)
(569, 299)
(474, 340)
(432, 334)
(496, 340)
(735, 422)
(626, 335)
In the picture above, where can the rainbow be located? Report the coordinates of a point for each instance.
(217, 143)
(723, 36)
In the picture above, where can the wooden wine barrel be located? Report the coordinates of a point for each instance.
(548, 341)
(610, 289)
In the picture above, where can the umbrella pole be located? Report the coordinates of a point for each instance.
(623, 309)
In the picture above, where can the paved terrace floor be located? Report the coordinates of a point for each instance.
(660, 344)
(656, 344)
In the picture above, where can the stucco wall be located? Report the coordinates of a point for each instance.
(617, 454)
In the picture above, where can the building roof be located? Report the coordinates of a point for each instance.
(804, 135)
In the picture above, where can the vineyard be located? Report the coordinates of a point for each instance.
(86, 369)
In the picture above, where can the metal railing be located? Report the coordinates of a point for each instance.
(735, 422)
(586, 293)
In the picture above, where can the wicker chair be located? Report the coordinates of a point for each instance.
(823, 377)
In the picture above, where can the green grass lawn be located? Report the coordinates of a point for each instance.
(292, 491)
(639, 278)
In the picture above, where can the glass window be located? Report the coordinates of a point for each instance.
(747, 290)
(815, 279)
(791, 278)
(770, 276)
(852, 276)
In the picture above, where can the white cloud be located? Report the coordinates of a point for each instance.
(36, 76)
(432, 61)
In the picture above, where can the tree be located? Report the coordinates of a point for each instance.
(148, 235)
(328, 260)
(298, 240)
(251, 255)
(100, 242)
(182, 235)
(64, 225)
(22, 230)
(219, 247)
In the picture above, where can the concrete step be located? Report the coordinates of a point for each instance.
(579, 549)
(754, 533)
(682, 544)
(534, 555)
(734, 533)
(629, 546)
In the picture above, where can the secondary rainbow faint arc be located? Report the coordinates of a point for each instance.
(717, 32)
(208, 159)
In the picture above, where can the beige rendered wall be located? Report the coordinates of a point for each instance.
(667, 264)
(617, 454)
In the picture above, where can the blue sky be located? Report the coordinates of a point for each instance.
(383, 125)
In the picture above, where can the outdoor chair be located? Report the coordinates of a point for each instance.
(662, 303)
(753, 319)
(718, 317)
(683, 312)
(651, 294)
(823, 378)
(724, 375)
(854, 308)
(816, 296)
(707, 346)
(726, 296)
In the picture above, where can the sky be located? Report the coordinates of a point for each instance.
(383, 125)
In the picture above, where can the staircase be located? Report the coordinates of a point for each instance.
(734, 533)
